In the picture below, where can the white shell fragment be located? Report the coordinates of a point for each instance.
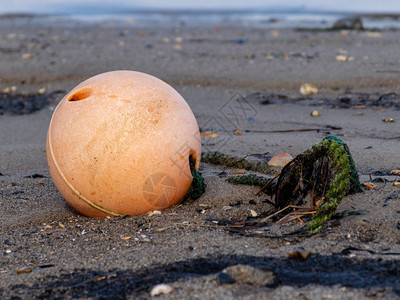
(308, 89)
(161, 289)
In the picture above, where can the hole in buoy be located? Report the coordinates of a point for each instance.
(80, 95)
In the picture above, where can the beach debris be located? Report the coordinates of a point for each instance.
(388, 120)
(24, 270)
(396, 183)
(369, 185)
(280, 160)
(358, 107)
(21, 103)
(352, 23)
(395, 172)
(238, 172)
(373, 34)
(162, 177)
(315, 113)
(154, 213)
(250, 179)
(161, 289)
(26, 56)
(245, 274)
(240, 41)
(319, 179)
(178, 47)
(341, 58)
(253, 213)
(238, 132)
(125, 238)
(35, 175)
(307, 89)
(229, 161)
(209, 134)
(61, 225)
(299, 254)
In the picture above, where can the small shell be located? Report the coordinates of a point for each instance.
(161, 289)
(308, 89)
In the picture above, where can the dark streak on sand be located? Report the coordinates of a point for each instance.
(335, 269)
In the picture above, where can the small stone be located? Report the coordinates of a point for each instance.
(166, 40)
(341, 58)
(253, 213)
(388, 120)
(280, 160)
(161, 289)
(26, 56)
(308, 89)
(244, 274)
(395, 172)
(154, 213)
(396, 183)
(373, 34)
(179, 39)
(315, 113)
(42, 91)
(177, 47)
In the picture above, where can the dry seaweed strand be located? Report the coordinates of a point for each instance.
(230, 161)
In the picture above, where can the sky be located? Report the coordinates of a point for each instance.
(60, 6)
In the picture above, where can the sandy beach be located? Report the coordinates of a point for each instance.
(48, 250)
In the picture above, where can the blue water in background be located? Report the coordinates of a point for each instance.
(252, 13)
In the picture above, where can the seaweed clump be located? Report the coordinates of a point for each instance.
(320, 177)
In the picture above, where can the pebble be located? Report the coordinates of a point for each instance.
(280, 160)
(341, 58)
(244, 274)
(308, 89)
(253, 213)
(395, 172)
(315, 113)
(161, 289)
(388, 120)
(179, 39)
(26, 56)
(154, 213)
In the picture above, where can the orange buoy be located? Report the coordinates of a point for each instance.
(119, 144)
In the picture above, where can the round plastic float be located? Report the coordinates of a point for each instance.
(120, 144)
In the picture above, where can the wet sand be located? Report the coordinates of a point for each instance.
(71, 256)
